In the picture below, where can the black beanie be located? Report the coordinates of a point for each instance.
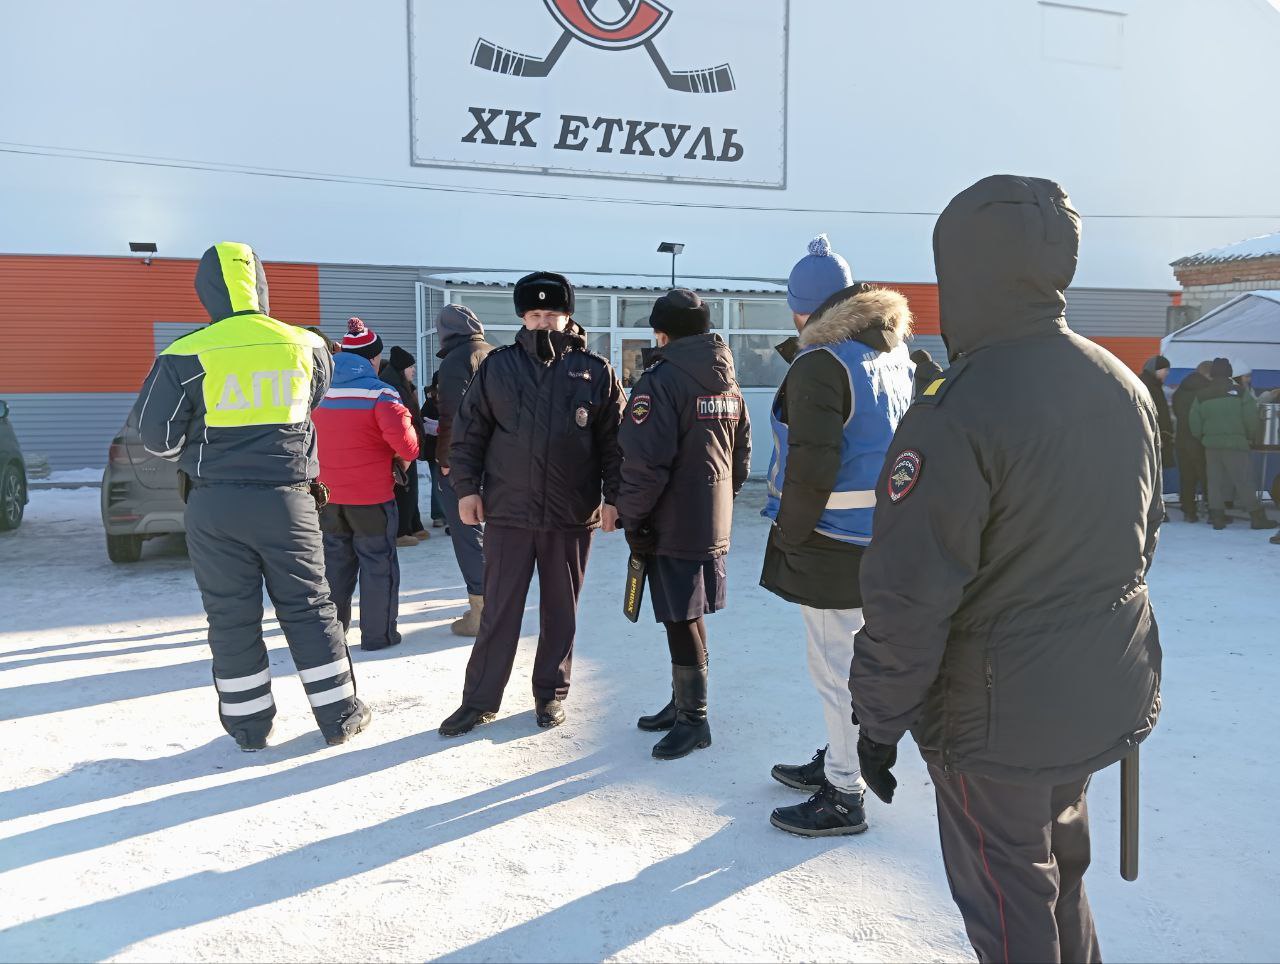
(400, 359)
(680, 313)
(1221, 368)
(544, 291)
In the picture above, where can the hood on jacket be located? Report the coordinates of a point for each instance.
(457, 320)
(704, 358)
(230, 281)
(1193, 382)
(1005, 250)
(878, 317)
(349, 367)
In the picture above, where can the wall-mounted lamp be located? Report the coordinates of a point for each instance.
(143, 247)
(672, 248)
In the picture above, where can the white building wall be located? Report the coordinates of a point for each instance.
(287, 124)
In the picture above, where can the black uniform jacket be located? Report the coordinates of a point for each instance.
(686, 448)
(538, 433)
(1007, 617)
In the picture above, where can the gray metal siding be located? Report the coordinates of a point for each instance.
(73, 431)
(382, 297)
(1117, 313)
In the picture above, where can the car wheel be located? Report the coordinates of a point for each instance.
(124, 548)
(12, 498)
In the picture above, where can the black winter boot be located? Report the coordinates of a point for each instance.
(828, 813)
(1218, 518)
(336, 734)
(549, 712)
(252, 738)
(803, 776)
(691, 731)
(1190, 515)
(463, 720)
(664, 719)
(1258, 520)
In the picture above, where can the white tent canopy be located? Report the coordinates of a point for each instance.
(1246, 330)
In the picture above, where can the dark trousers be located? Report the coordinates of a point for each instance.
(510, 557)
(468, 541)
(1192, 472)
(360, 544)
(437, 506)
(1016, 856)
(239, 536)
(407, 510)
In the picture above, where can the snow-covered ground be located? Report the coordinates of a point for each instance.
(132, 828)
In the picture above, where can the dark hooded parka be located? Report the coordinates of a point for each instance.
(1007, 619)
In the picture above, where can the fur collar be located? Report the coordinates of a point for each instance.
(880, 309)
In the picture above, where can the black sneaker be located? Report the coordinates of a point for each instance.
(805, 776)
(251, 740)
(465, 719)
(828, 813)
(550, 713)
(338, 733)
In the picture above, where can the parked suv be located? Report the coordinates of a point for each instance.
(140, 497)
(13, 474)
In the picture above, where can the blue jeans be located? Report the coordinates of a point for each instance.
(468, 541)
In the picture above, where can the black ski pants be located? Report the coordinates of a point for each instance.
(239, 536)
(1193, 474)
(360, 545)
(510, 555)
(1016, 856)
(410, 516)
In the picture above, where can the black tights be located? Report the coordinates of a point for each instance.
(687, 642)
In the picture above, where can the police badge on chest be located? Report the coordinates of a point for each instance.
(582, 416)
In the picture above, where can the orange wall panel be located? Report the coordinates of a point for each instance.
(85, 324)
(1132, 351)
(923, 299)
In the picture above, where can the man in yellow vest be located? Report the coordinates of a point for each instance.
(231, 404)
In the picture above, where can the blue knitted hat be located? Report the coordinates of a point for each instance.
(816, 277)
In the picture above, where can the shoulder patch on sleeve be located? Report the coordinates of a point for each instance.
(937, 390)
(904, 475)
(641, 406)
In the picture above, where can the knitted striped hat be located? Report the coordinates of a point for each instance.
(360, 340)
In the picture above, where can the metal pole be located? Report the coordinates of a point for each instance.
(673, 269)
(1129, 816)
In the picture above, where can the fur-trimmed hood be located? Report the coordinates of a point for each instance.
(879, 317)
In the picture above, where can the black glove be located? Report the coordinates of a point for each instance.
(877, 760)
(642, 540)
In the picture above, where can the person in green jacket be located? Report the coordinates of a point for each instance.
(1224, 417)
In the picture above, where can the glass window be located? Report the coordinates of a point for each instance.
(634, 352)
(761, 315)
(600, 342)
(491, 307)
(634, 312)
(758, 365)
(592, 311)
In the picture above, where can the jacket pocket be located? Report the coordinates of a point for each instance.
(989, 677)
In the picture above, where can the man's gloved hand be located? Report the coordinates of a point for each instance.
(642, 540)
(877, 760)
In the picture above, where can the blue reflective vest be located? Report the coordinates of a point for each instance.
(882, 384)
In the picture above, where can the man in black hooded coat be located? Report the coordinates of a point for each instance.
(1008, 625)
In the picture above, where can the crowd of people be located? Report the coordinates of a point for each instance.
(968, 547)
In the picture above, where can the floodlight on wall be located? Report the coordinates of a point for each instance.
(143, 247)
(672, 248)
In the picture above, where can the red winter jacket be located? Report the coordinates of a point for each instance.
(360, 428)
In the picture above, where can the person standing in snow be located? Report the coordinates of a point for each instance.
(231, 404)
(1008, 624)
(462, 349)
(1154, 373)
(399, 372)
(1192, 471)
(534, 446)
(832, 419)
(1224, 417)
(686, 453)
(364, 433)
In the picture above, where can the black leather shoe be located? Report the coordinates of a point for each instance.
(828, 813)
(463, 720)
(804, 776)
(351, 724)
(550, 712)
(664, 719)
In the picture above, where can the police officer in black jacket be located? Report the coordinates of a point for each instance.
(534, 447)
(1007, 619)
(686, 452)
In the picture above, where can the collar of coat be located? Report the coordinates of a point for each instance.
(879, 317)
(547, 347)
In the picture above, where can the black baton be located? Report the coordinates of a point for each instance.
(1129, 816)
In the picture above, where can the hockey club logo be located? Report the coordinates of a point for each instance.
(639, 25)
(641, 405)
(904, 475)
(727, 407)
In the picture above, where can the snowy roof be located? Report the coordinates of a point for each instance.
(617, 282)
(1268, 245)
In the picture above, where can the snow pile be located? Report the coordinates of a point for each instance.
(131, 828)
(1263, 246)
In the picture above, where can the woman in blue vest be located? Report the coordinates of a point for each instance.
(833, 419)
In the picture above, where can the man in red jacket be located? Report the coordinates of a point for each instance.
(362, 430)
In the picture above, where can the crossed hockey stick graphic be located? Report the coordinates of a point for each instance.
(500, 60)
